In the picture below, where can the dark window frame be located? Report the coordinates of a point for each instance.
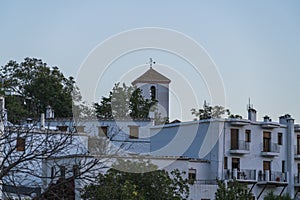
(76, 170)
(192, 174)
(133, 132)
(280, 139)
(20, 144)
(247, 135)
(62, 170)
(153, 92)
(225, 162)
(103, 131)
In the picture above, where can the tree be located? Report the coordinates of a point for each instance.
(26, 150)
(37, 86)
(124, 101)
(232, 116)
(147, 183)
(233, 191)
(272, 196)
(17, 109)
(208, 112)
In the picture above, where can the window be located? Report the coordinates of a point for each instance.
(267, 165)
(234, 138)
(75, 170)
(192, 174)
(298, 166)
(153, 92)
(63, 128)
(225, 162)
(298, 144)
(20, 146)
(52, 172)
(79, 129)
(283, 166)
(235, 163)
(102, 131)
(62, 171)
(266, 141)
(279, 138)
(134, 132)
(248, 136)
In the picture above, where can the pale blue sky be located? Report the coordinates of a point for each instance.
(256, 45)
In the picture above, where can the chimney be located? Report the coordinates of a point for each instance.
(267, 119)
(49, 112)
(43, 121)
(251, 114)
(284, 119)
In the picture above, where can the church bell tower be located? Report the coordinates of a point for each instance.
(155, 86)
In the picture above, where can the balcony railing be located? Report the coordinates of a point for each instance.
(243, 174)
(241, 145)
(272, 147)
(205, 182)
(297, 179)
(297, 149)
(267, 176)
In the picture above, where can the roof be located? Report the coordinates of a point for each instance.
(151, 76)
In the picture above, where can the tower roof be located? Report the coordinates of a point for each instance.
(151, 76)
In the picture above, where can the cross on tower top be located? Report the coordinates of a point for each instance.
(151, 62)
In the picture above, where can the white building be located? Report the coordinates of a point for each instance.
(264, 155)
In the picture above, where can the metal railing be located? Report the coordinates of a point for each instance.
(272, 176)
(271, 147)
(205, 182)
(243, 174)
(297, 178)
(297, 149)
(241, 145)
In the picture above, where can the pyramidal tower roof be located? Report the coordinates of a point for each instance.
(151, 76)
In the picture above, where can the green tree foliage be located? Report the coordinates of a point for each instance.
(208, 112)
(16, 108)
(147, 183)
(232, 116)
(233, 191)
(37, 86)
(124, 101)
(272, 196)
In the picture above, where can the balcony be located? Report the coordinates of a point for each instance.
(269, 125)
(270, 150)
(297, 152)
(241, 147)
(205, 182)
(239, 122)
(297, 128)
(243, 175)
(272, 178)
(297, 179)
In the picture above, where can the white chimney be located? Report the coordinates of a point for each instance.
(43, 121)
(251, 114)
(267, 119)
(49, 112)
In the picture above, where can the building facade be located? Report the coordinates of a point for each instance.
(262, 154)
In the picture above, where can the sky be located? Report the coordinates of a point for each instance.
(254, 44)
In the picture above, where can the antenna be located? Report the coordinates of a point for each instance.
(249, 105)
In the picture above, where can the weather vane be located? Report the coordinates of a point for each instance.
(151, 62)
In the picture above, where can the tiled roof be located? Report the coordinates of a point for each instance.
(151, 76)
